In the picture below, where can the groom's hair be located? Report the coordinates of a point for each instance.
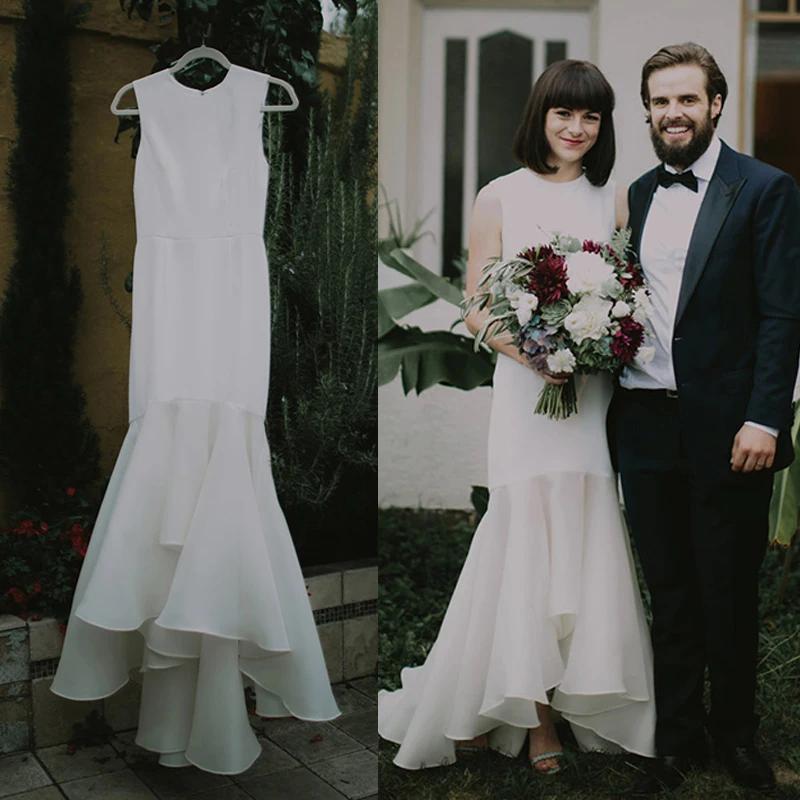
(576, 85)
(676, 55)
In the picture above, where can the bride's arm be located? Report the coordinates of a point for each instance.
(485, 244)
(621, 205)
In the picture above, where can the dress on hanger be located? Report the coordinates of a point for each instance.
(191, 583)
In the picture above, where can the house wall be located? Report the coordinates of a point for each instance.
(432, 448)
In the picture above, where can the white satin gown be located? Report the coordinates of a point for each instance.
(547, 598)
(191, 583)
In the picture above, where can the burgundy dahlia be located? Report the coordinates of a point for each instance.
(548, 278)
(628, 339)
(636, 280)
(591, 247)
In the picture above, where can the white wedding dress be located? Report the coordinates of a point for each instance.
(191, 577)
(547, 598)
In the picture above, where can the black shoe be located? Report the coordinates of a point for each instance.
(665, 773)
(747, 767)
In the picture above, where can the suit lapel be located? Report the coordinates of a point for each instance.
(639, 209)
(722, 190)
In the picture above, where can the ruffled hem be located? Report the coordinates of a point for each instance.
(192, 580)
(547, 600)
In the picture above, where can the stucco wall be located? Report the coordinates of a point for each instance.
(107, 51)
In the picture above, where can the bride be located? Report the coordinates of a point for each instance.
(546, 616)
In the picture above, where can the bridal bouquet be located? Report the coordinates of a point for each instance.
(571, 308)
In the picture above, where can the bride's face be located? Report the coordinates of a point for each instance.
(571, 133)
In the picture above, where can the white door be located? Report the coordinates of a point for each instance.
(478, 67)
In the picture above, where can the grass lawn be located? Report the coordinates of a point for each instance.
(421, 554)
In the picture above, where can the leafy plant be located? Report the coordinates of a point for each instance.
(42, 550)
(321, 238)
(783, 515)
(422, 358)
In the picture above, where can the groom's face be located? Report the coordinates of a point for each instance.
(681, 114)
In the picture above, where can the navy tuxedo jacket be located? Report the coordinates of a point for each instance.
(736, 339)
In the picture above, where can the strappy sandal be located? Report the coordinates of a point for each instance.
(557, 755)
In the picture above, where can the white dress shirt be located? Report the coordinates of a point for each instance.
(665, 243)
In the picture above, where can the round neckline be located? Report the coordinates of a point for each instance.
(575, 182)
(199, 92)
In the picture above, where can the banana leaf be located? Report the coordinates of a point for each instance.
(425, 359)
(399, 260)
(395, 303)
(786, 496)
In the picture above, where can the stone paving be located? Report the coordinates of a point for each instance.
(299, 761)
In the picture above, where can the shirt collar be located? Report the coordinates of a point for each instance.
(704, 167)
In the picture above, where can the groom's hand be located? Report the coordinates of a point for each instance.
(753, 449)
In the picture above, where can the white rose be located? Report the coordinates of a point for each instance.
(587, 272)
(644, 308)
(524, 304)
(621, 309)
(612, 288)
(644, 356)
(589, 319)
(561, 362)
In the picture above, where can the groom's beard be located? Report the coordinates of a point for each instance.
(678, 155)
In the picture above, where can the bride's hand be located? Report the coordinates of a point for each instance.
(556, 379)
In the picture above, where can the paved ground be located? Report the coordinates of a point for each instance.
(300, 761)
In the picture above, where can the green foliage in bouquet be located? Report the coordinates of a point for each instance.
(321, 239)
(42, 551)
(46, 439)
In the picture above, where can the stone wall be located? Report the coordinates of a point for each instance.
(344, 599)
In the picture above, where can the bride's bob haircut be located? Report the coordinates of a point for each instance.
(576, 85)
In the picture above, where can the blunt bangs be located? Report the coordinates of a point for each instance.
(575, 85)
(578, 88)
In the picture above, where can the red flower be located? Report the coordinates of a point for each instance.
(628, 339)
(17, 596)
(25, 528)
(36, 618)
(79, 544)
(591, 247)
(76, 529)
(37, 588)
(548, 279)
(70, 491)
(43, 527)
(637, 277)
(62, 626)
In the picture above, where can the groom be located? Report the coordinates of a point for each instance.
(698, 432)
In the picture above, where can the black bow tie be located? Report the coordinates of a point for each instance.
(688, 178)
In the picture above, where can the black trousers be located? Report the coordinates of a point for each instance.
(701, 543)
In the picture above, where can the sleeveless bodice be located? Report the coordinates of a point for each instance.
(523, 444)
(201, 175)
(534, 209)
